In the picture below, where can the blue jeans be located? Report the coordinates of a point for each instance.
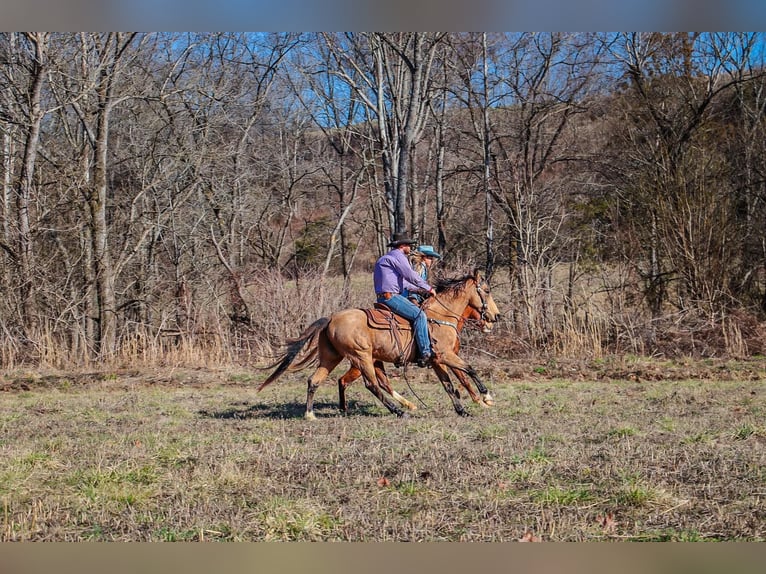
(405, 308)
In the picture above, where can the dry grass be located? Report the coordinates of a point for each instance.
(571, 452)
(602, 320)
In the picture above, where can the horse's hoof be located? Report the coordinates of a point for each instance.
(464, 414)
(488, 400)
(310, 416)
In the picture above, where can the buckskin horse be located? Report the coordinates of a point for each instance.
(346, 334)
(485, 400)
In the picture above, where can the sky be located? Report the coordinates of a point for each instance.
(392, 15)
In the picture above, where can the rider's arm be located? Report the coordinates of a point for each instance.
(411, 280)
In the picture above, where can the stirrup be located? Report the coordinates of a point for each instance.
(423, 362)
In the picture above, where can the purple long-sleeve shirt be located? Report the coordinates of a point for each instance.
(394, 274)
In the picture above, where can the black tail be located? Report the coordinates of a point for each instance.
(294, 347)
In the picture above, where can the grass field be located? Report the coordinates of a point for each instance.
(646, 452)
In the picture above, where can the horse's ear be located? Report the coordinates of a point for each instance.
(477, 275)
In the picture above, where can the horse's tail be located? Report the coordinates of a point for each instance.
(294, 346)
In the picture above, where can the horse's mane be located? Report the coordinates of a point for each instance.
(452, 284)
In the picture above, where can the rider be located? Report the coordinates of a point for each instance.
(421, 260)
(393, 274)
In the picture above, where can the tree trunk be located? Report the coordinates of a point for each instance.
(5, 214)
(102, 261)
(24, 196)
(487, 154)
(104, 273)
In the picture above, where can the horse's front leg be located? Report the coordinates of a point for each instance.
(452, 392)
(385, 384)
(455, 363)
(466, 384)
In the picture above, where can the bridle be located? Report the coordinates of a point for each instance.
(483, 311)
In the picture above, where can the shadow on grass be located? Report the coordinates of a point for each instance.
(294, 410)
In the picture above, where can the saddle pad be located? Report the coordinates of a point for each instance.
(380, 318)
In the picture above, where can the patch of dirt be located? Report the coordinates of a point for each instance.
(113, 379)
(636, 370)
(611, 369)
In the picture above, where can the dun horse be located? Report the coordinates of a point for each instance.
(346, 334)
(485, 400)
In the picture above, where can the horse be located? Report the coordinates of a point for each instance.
(346, 334)
(485, 400)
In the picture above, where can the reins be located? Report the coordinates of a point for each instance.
(450, 312)
(409, 386)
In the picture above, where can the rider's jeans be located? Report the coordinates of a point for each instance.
(402, 306)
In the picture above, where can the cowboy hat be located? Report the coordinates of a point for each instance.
(428, 251)
(401, 239)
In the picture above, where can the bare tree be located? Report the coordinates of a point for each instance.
(540, 81)
(337, 115)
(392, 75)
(683, 219)
(9, 61)
(746, 151)
(152, 181)
(109, 53)
(34, 47)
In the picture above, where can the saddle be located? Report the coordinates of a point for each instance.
(381, 317)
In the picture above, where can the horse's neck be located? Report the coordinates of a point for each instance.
(449, 307)
(469, 313)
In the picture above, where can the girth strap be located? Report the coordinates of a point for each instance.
(445, 323)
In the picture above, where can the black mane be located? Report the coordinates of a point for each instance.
(452, 284)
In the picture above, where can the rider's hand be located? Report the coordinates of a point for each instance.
(432, 292)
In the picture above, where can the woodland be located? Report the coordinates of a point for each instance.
(209, 194)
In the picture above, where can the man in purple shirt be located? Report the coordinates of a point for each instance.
(393, 275)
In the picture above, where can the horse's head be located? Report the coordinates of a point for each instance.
(460, 295)
(481, 299)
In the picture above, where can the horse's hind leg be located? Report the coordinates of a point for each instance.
(326, 365)
(385, 384)
(380, 373)
(348, 377)
(370, 381)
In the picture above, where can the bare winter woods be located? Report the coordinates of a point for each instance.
(212, 193)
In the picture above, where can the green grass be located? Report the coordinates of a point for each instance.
(747, 430)
(558, 496)
(622, 432)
